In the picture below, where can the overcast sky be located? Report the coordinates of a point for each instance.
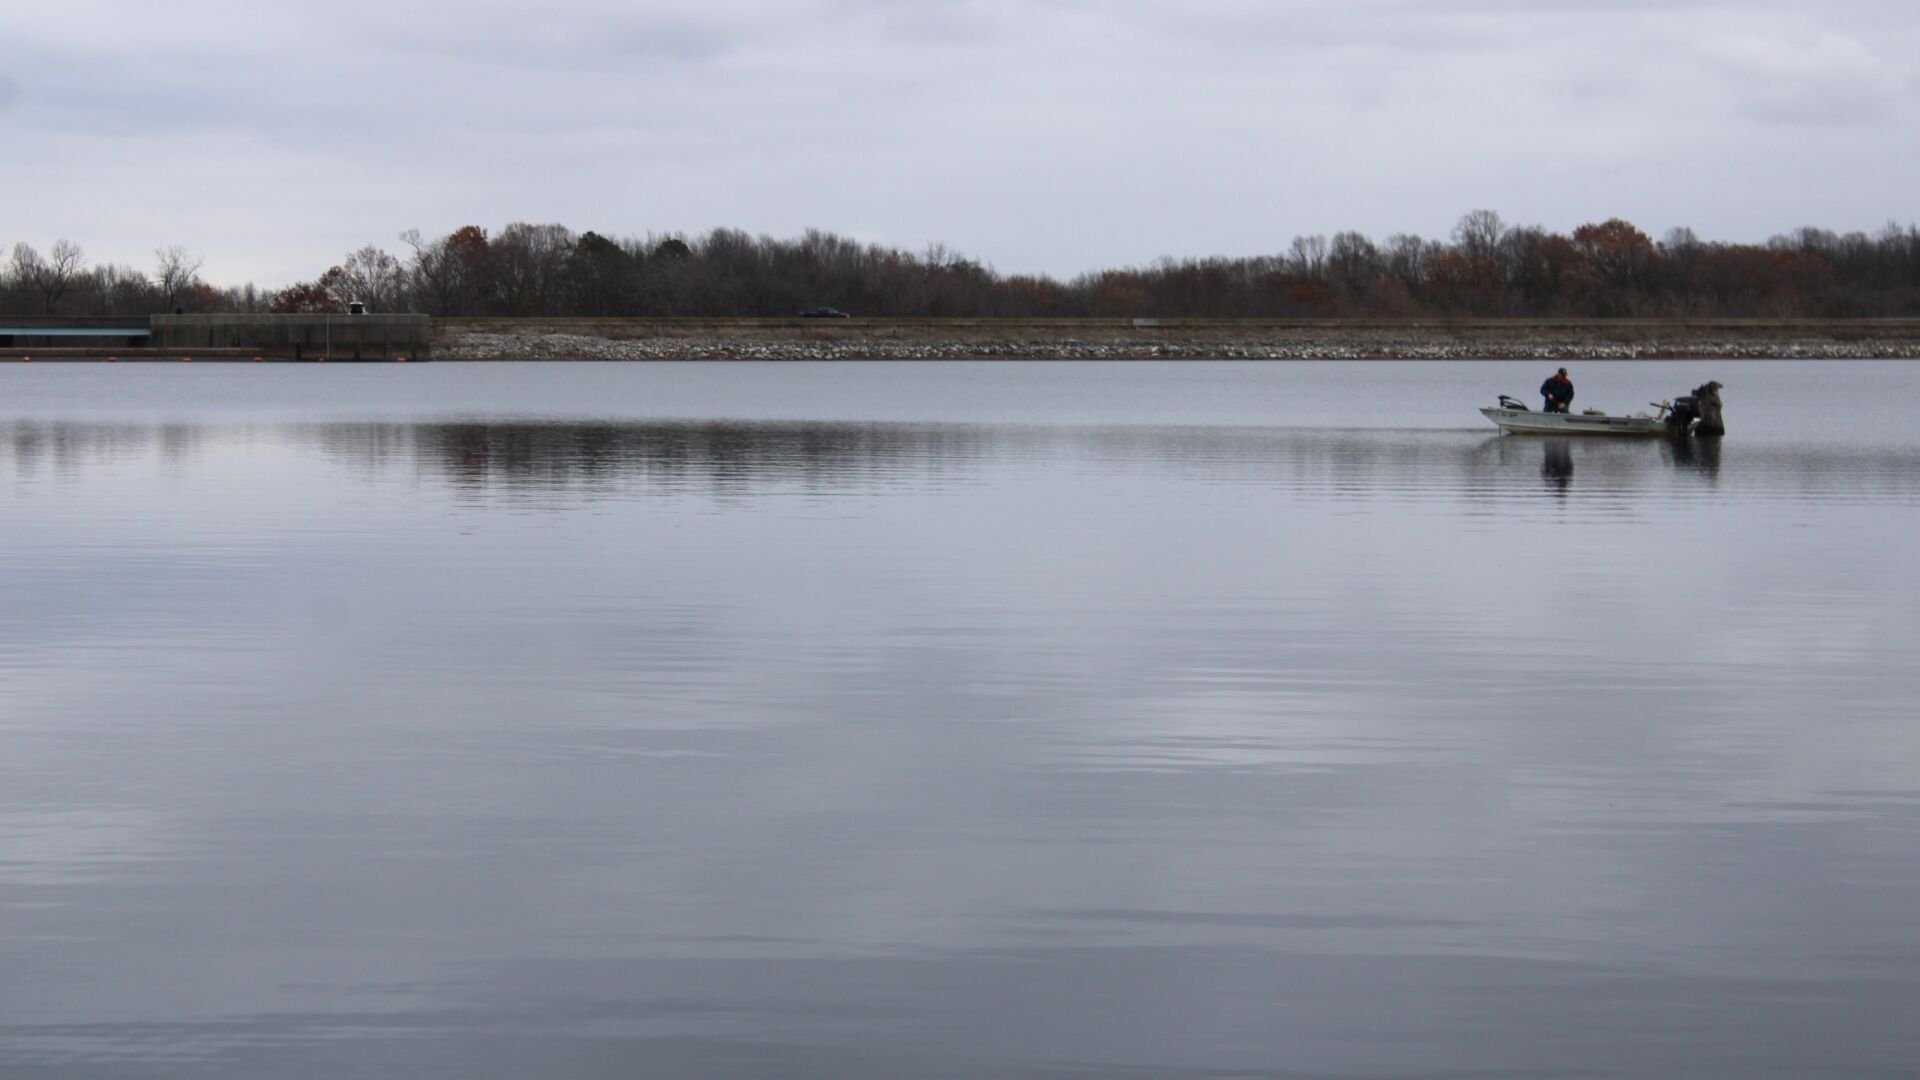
(1051, 135)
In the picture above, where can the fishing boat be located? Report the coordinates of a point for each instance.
(1515, 418)
(1697, 413)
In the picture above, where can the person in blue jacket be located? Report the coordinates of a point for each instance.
(1558, 392)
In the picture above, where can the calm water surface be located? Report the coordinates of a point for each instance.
(877, 720)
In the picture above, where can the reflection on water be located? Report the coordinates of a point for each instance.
(719, 455)
(490, 747)
(558, 456)
(63, 448)
(1556, 463)
(1701, 454)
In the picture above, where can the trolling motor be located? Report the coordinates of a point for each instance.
(1509, 403)
(1697, 413)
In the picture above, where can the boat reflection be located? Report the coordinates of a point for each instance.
(1699, 455)
(1602, 464)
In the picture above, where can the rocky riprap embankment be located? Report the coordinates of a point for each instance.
(475, 345)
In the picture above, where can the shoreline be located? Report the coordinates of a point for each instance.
(614, 339)
(932, 340)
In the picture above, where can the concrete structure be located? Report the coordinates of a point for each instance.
(299, 337)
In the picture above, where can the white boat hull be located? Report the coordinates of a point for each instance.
(1524, 422)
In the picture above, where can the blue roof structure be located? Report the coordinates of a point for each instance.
(74, 331)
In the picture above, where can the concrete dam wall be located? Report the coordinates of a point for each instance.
(299, 337)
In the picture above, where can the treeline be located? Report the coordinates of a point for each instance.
(59, 282)
(1485, 268)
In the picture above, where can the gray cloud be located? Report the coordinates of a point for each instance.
(563, 42)
(9, 92)
(1820, 107)
(1822, 78)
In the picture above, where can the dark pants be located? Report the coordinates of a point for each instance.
(1555, 406)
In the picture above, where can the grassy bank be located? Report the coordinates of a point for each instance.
(1319, 339)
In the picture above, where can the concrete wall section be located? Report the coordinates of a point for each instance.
(303, 337)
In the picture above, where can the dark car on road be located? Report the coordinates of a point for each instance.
(824, 313)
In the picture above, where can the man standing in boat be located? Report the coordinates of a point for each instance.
(1558, 392)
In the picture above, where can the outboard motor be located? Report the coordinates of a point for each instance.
(1697, 413)
(1680, 417)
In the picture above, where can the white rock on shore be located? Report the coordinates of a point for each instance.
(546, 346)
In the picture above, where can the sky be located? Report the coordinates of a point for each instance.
(1051, 136)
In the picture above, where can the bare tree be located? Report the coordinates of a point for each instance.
(1478, 234)
(527, 263)
(372, 277)
(177, 272)
(50, 275)
(1407, 258)
(436, 273)
(1352, 260)
(64, 261)
(1309, 256)
(24, 268)
(1681, 240)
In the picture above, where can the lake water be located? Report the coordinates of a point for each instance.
(876, 720)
